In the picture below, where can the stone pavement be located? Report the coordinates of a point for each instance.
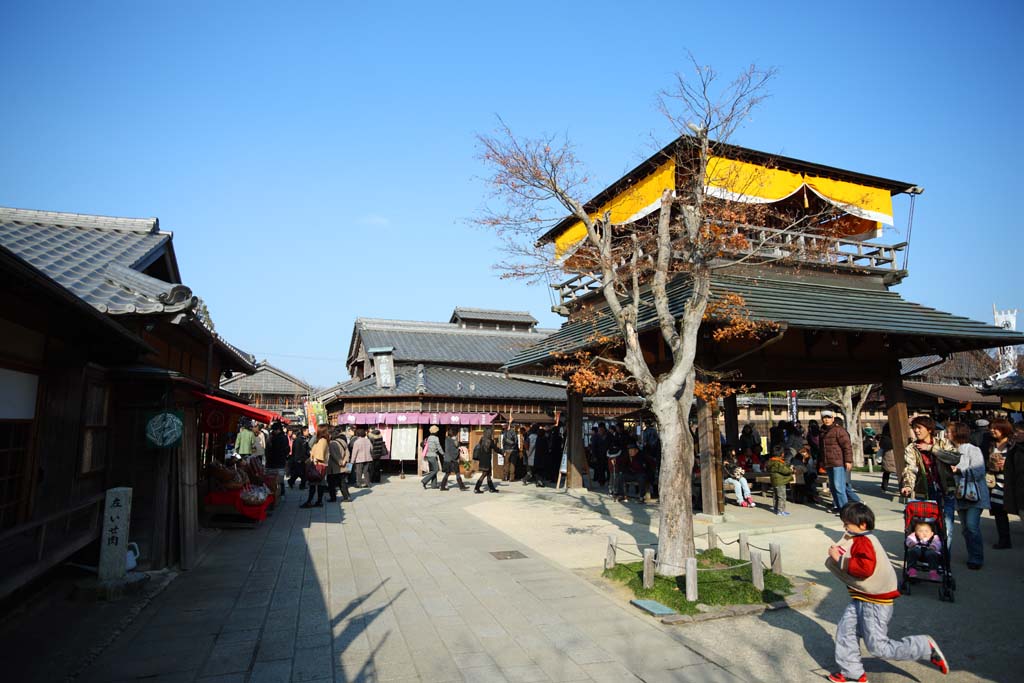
(398, 585)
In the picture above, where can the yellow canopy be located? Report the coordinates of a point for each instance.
(740, 181)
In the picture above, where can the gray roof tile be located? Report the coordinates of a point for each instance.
(96, 257)
(802, 304)
(266, 380)
(462, 383)
(418, 342)
(492, 315)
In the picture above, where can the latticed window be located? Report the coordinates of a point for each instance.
(14, 475)
(94, 428)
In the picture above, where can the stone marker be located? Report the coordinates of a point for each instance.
(691, 579)
(117, 514)
(609, 558)
(649, 568)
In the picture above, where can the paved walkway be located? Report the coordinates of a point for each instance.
(398, 585)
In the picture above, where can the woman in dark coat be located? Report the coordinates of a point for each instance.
(482, 454)
(1013, 476)
(451, 460)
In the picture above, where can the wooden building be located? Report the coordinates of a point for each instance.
(828, 289)
(98, 336)
(272, 389)
(407, 375)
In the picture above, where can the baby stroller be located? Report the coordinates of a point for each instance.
(928, 511)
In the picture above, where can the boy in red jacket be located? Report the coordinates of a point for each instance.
(859, 561)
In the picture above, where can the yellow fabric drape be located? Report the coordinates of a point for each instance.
(629, 205)
(741, 181)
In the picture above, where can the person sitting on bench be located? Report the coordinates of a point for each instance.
(634, 469)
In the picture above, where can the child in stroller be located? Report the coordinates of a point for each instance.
(925, 549)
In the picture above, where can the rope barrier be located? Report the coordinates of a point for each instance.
(725, 542)
(764, 550)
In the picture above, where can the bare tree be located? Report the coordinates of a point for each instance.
(537, 180)
(850, 401)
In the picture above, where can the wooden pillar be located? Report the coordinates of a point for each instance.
(574, 437)
(732, 420)
(712, 495)
(899, 421)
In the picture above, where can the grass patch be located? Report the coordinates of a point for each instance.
(728, 585)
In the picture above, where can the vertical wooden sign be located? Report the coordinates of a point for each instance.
(117, 515)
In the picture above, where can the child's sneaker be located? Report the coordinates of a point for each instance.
(912, 573)
(938, 659)
(783, 513)
(743, 504)
(838, 677)
(751, 503)
(933, 575)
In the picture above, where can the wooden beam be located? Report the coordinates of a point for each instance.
(732, 419)
(574, 436)
(712, 495)
(899, 421)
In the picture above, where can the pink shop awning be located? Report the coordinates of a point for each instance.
(468, 419)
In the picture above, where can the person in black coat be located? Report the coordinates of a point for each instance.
(510, 452)
(300, 454)
(451, 460)
(277, 455)
(483, 453)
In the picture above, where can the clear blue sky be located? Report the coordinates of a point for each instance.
(316, 160)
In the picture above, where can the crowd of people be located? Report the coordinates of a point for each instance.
(330, 460)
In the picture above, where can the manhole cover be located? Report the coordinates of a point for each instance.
(508, 555)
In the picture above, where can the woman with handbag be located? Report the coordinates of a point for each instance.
(1002, 444)
(316, 467)
(972, 495)
(431, 452)
(339, 465)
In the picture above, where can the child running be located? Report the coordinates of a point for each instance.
(925, 549)
(859, 561)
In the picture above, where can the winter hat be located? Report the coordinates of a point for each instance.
(433, 429)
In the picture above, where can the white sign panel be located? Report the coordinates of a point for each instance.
(117, 514)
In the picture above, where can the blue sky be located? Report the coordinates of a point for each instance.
(317, 161)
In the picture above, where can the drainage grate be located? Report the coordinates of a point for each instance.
(508, 555)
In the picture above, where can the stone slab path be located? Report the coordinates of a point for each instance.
(398, 585)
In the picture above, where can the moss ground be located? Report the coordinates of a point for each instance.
(724, 584)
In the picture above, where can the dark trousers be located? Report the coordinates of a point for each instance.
(920, 554)
(362, 470)
(335, 482)
(431, 477)
(295, 470)
(1002, 523)
(318, 490)
(452, 468)
(885, 480)
(490, 483)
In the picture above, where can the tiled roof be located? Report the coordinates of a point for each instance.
(949, 392)
(800, 303)
(1014, 384)
(491, 315)
(964, 367)
(422, 342)
(461, 383)
(266, 380)
(98, 258)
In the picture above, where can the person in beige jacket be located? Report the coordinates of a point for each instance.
(337, 465)
(319, 455)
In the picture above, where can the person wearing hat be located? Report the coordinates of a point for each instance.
(837, 459)
(431, 452)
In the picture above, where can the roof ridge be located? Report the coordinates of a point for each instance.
(81, 220)
(449, 328)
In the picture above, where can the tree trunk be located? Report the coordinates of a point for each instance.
(853, 425)
(675, 530)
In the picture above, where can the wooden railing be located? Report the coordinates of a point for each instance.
(770, 245)
(33, 535)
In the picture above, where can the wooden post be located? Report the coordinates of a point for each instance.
(899, 421)
(756, 569)
(776, 557)
(744, 546)
(574, 437)
(649, 568)
(691, 579)
(712, 538)
(711, 458)
(732, 420)
(609, 556)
